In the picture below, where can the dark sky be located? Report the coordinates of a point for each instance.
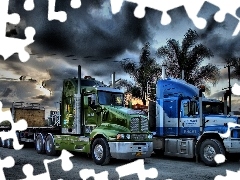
(96, 39)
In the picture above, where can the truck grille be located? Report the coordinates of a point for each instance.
(139, 137)
(138, 124)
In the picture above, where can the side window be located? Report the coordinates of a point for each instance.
(185, 109)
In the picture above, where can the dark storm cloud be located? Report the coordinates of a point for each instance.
(93, 38)
(6, 92)
(84, 34)
(218, 36)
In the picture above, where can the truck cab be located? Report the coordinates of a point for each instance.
(187, 124)
(95, 121)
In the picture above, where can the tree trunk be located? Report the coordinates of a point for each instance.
(144, 101)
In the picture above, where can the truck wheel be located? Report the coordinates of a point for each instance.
(39, 145)
(50, 147)
(18, 136)
(209, 148)
(10, 143)
(100, 151)
(4, 143)
(158, 152)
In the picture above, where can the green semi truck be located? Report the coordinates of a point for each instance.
(93, 120)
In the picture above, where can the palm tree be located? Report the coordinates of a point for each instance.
(188, 56)
(143, 73)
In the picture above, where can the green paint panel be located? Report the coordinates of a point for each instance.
(72, 143)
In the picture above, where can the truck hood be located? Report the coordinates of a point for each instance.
(124, 110)
(220, 119)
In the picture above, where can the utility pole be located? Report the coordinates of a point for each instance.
(228, 66)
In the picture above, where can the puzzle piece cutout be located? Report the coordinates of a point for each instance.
(9, 45)
(8, 162)
(29, 5)
(236, 89)
(192, 8)
(139, 12)
(61, 15)
(226, 26)
(67, 165)
(137, 167)
(15, 126)
(230, 175)
(87, 173)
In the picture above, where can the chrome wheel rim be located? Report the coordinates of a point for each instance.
(98, 152)
(49, 145)
(39, 144)
(209, 153)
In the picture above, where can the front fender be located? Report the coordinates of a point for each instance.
(204, 136)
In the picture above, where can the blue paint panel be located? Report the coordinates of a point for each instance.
(195, 131)
(236, 133)
(190, 131)
(170, 107)
(219, 128)
(173, 87)
(159, 131)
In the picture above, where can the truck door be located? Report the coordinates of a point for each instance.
(171, 116)
(189, 122)
(90, 108)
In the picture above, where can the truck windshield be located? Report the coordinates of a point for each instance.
(212, 108)
(110, 98)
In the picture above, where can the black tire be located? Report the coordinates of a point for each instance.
(100, 144)
(10, 143)
(39, 145)
(18, 136)
(0, 142)
(4, 143)
(50, 147)
(235, 157)
(158, 152)
(214, 147)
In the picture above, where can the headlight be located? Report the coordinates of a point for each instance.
(128, 136)
(120, 136)
(123, 136)
(150, 136)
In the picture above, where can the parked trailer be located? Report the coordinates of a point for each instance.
(34, 115)
(93, 120)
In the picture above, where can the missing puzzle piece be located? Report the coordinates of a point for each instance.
(87, 173)
(192, 7)
(230, 175)
(9, 45)
(236, 89)
(66, 166)
(137, 167)
(18, 126)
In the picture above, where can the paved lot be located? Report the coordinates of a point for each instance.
(168, 168)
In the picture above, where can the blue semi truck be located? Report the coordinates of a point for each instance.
(187, 124)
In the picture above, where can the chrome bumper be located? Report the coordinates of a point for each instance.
(130, 150)
(232, 145)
